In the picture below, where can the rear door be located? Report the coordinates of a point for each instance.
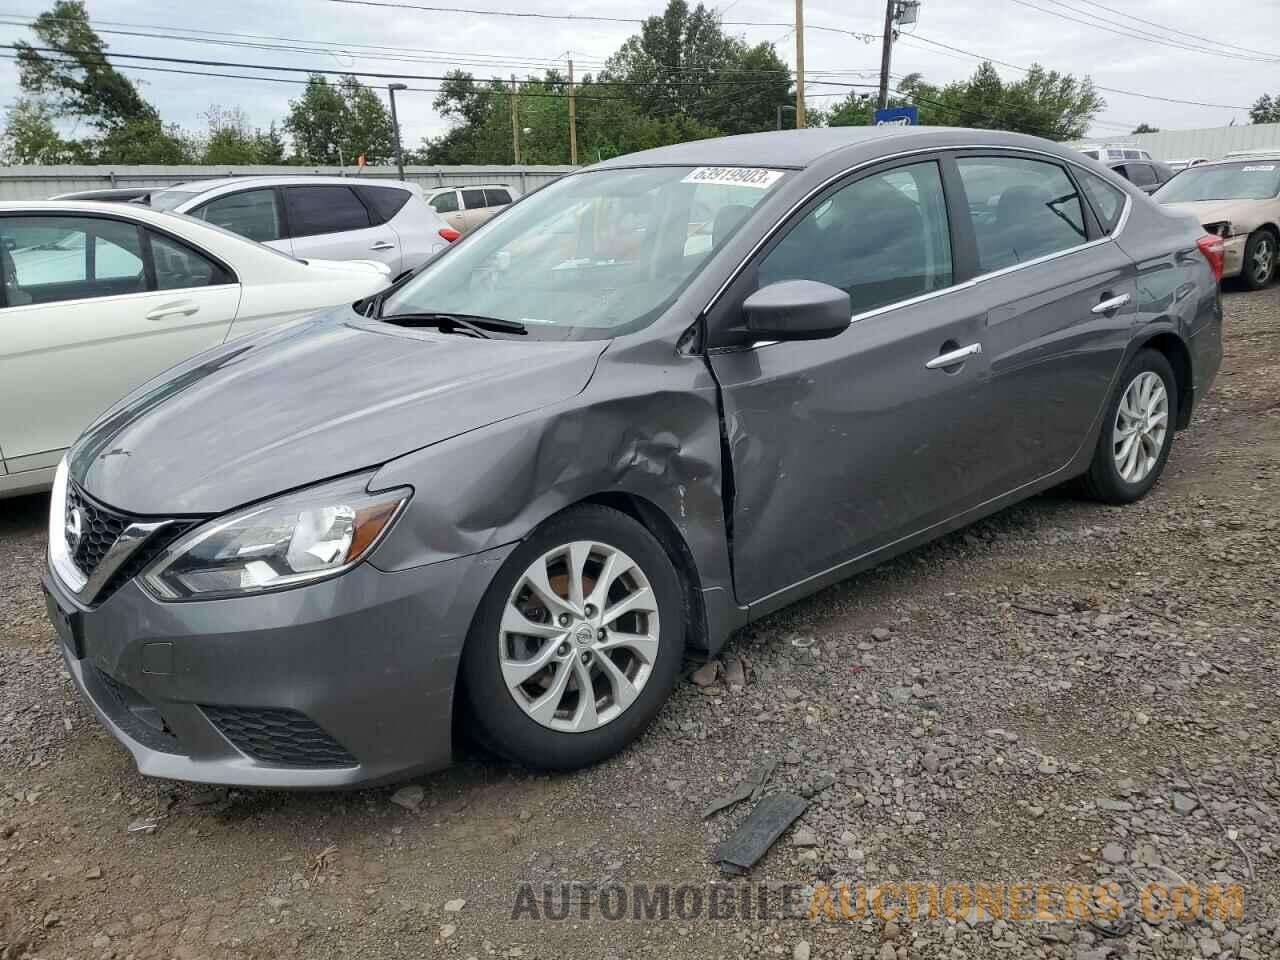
(1059, 296)
(846, 445)
(331, 222)
(475, 211)
(448, 206)
(93, 307)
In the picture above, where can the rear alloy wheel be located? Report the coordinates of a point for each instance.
(1259, 260)
(1137, 433)
(577, 642)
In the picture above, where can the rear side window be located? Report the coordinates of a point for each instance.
(383, 202)
(1107, 200)
(1141, 174)
(323, 209)
(881, 239)
(496, 198)
(250, 213)
(1021, 209)
(446, 202)
(473, 199)
(178, 266)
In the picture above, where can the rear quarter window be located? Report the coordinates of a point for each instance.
(383, 202)
(1106, 200)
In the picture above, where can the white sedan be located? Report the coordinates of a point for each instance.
(97, 298)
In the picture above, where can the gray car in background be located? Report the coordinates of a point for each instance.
(509, 495)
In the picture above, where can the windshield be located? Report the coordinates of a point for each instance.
(168, 199)
(593, 255)
(1223, 181)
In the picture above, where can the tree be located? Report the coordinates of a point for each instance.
(231, 140)
(1145, 128)
(78, 82)
(335, 124)
(1266, 109)
(31, 137)
(144, 140)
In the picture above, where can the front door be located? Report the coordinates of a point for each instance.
(93, 307)
(332, 223)
(843, 446)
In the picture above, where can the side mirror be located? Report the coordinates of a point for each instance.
(797, 310)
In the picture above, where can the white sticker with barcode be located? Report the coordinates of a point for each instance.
(1261, 167)
(756, 177)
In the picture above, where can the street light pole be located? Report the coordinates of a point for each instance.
(395, 125)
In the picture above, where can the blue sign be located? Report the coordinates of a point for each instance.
(897, 117)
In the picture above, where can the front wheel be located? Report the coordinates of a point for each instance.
(1259, 259)
(577, 642)
(1137, 434)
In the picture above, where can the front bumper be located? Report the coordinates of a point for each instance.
(341, 683)
(1233, 256)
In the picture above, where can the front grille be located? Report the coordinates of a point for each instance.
(279, 737)
(100, 527)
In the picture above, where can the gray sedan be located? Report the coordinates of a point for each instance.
(648, 404)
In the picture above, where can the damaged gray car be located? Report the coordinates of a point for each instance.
(647, 404)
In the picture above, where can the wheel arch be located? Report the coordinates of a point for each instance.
(1176, 352)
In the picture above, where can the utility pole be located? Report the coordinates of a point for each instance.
(886, 51)
(515, 120)
(573, 120)
(800, 120)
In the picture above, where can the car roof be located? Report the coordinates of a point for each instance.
(468, 186)
(200, 186)
(798, 149)
(136, 210)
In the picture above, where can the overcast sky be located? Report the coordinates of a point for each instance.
(430, 43)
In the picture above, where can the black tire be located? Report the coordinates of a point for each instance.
(1103, 480)
(1248, 274)
(500, 723)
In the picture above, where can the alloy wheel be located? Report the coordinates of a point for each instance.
(579, 636)
(1264, 256)
(1142, 421)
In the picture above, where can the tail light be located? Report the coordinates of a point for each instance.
(1215, 251)
(449, 233)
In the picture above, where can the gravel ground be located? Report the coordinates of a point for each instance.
(1063, 693)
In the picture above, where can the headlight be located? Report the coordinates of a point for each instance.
(1222, 229)
(299, 538)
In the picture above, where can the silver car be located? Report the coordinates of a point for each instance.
(509, 495)
(328, 218)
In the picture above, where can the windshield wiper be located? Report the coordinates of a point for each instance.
(463, 321)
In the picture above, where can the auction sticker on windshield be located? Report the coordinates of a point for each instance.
(756, 177)
(1264, 167)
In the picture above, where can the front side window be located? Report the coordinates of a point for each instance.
(250, 213)
(1021, 209)
(881, 239)
(1141, 174)
(321, 209)
(1107, 200)
(1244, 180)
(49, 259)
(592, 255)
(473, 199)
(446, 202)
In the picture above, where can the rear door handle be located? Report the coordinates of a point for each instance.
(954, 357)
(183, 308)
(382, 245)
(1114, 303)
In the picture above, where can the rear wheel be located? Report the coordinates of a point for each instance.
(1137, 434)
(1259, 259)
(577, 642)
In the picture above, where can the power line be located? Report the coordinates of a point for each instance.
(1194, 36)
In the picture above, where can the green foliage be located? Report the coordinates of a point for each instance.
(1146, 128)
(1265, 110)
(30, 136)
(231, 141)
(78, 82)
(145, 140)
(336, 123)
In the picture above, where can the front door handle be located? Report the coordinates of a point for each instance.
(953, 357)
(1113, 303)
(183, 308)
(382, 245)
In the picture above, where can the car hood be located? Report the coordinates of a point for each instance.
(1244, 215)
(312, 400)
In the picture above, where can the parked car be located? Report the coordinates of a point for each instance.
(1239, 201)
(97, 298)
(515, 488)
(1178, 165)
(465, 208)
(1104, 152)
(110, 195)
(334, 218)
(1147, 175)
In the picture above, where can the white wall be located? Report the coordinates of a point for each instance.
(1210, 142)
